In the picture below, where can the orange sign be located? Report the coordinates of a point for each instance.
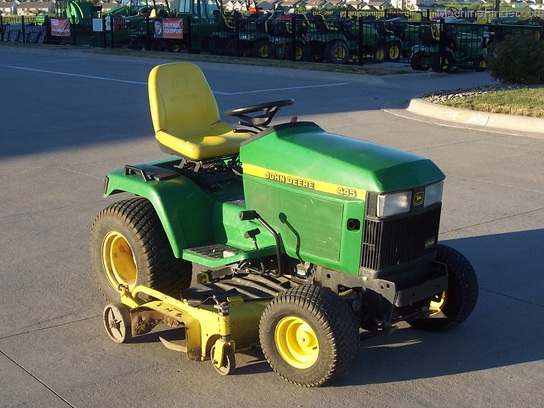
(60, 27)
(169, 28)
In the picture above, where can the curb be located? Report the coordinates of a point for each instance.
(476, 118)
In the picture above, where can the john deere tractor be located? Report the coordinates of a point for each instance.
(300, 239)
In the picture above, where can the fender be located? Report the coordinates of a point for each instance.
(183, 208)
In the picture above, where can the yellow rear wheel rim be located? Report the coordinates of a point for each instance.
(118, 260)
(296, 342)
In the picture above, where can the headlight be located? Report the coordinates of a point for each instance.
(433, 194)
(393, 204)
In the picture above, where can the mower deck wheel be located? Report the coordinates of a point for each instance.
(229, 361)
(117, 322)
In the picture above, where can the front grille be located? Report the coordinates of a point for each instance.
(393, 242)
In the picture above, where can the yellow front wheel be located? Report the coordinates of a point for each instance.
(296, 342)
(308, 335)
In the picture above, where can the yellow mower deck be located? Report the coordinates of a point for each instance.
(216, 325)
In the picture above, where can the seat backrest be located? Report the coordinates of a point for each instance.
(426, 35)
(320, 25)
(181, 101)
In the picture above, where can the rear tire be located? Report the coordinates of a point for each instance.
(261, 49)
(337, 52)
(129, 247)
(394, 51)
(452, 307)
(308, 335)
(416, 62)
(231, 47)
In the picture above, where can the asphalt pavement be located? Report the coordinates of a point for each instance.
(68, 117)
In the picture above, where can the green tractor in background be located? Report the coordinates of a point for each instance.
(287, 36)
(177, 25)
(182, 24)
(243, 34)
(461, 48)
(299, 238)
(254, 37)
(337, 39)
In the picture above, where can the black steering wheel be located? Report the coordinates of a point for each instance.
(269, 109)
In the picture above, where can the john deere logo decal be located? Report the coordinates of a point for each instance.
(418, 198)
(317, 185)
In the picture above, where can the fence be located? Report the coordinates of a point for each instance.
(24, 29)
(342, 37)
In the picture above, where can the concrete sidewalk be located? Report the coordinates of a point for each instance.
(469, 117)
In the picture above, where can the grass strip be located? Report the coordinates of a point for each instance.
(523, 101)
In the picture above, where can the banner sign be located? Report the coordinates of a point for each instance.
(98, 25)
(169, 28)
(60, 27)
(119, 24)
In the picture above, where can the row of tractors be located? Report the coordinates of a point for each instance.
(337, 38)
(198, 25)
(309, 37)
(440, 44)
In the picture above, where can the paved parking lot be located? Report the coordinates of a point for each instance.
(68, 117)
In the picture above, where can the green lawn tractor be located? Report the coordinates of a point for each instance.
(379, 46)
(223, 39)
(300, 239)
(325, 41)
(461, 48)
(253, 37)
(287, 36)
(172, 26)
(407, 31)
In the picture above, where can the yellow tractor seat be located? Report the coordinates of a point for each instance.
(185, 115)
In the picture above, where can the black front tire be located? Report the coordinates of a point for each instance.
(261, 49)
(299, 52)
(445, 66)
(129, 247)
(308, 335)
(379, 54)
(452, 307)
(480, 64)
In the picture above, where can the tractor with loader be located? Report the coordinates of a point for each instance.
(300, 239)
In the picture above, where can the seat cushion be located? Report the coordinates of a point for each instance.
(219, 140)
